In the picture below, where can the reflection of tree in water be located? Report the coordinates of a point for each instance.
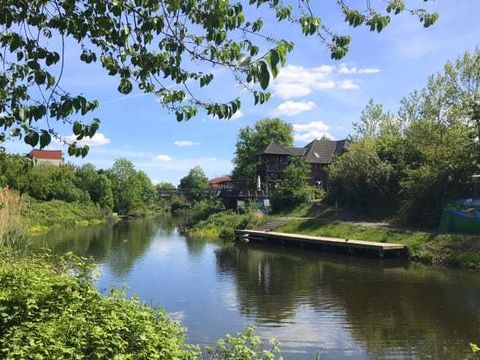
(119, 245)
(269, 285)
(95, 241)
(389, 310)
(131, 239)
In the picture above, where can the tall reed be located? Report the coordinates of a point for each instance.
(12, 229)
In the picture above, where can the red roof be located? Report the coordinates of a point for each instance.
(46, 154)
(220, 180)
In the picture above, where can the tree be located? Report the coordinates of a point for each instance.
(125, 186)
(143, 44)
(47, 182)
(373, 120)
(147, 190)
(360, 179)
(251, 140)
(295, 188)
(195, 184)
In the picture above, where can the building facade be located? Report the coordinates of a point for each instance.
(46, 157)
(274, 159)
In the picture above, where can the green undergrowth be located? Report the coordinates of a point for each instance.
(223, 224)
(432, 248)
(49, 309)
(42, 216)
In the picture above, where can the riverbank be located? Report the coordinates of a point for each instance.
(43, 216)
(430, 248)
(320, 220)
(223, 224)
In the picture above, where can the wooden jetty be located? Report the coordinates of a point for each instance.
(349, 246)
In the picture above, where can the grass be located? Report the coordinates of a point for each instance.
(40, 216)
(432, 248)
(223, 224)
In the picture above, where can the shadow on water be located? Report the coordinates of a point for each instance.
(338, 306)
(391, 308)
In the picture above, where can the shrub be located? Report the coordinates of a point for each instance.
(224, 224)
(203, 209)
(49, 309)
(46, 313)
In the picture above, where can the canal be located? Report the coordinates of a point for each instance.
(337, 307)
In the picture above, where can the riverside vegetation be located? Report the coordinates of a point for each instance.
(49, 308)
(60, 196)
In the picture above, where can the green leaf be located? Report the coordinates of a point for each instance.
(31, 138)
(45, 139)
(264, 75)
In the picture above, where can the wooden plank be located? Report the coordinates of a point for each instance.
(377, 246)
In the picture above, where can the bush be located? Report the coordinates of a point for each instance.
(55, 213)
(299, 196)
(46, 313)
(224, 224)
(203, 209)
(49, 309)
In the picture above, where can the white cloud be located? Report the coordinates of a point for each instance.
(163, 158)
(306, 132)
(297, 81)
(348, 85)
(185, 143)
(290, 108)
(98, 139)
(237, 115)
(344, 69)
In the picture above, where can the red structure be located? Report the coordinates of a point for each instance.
(220, 182)
(50, 157)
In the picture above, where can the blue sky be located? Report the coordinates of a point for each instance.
(317, 95)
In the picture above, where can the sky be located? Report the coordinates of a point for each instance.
(317, 95)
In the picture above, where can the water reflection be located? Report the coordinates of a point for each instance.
(389, 309)
(337, 306)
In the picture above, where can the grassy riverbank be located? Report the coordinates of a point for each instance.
(223, 224)
(42, 216)
(428, 247)
(320, 220)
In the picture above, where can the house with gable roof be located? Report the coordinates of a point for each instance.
(46, 157)
(273, 159)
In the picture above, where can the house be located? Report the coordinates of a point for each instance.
(46, 157)
(220, 182)
(274, 159)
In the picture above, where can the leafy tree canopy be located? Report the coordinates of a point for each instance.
(194, 184)
(252, 139)
(157, 47)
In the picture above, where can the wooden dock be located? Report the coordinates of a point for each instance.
(349, 246)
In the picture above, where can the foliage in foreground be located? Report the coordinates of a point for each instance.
(140, 42)
(50, 309)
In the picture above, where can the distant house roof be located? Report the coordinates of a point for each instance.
(219, 180)
(273, 149)
(297, 151)
(46, 154)
(324, 151)
(321, 151)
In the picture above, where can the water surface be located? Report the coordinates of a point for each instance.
(338, 307)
